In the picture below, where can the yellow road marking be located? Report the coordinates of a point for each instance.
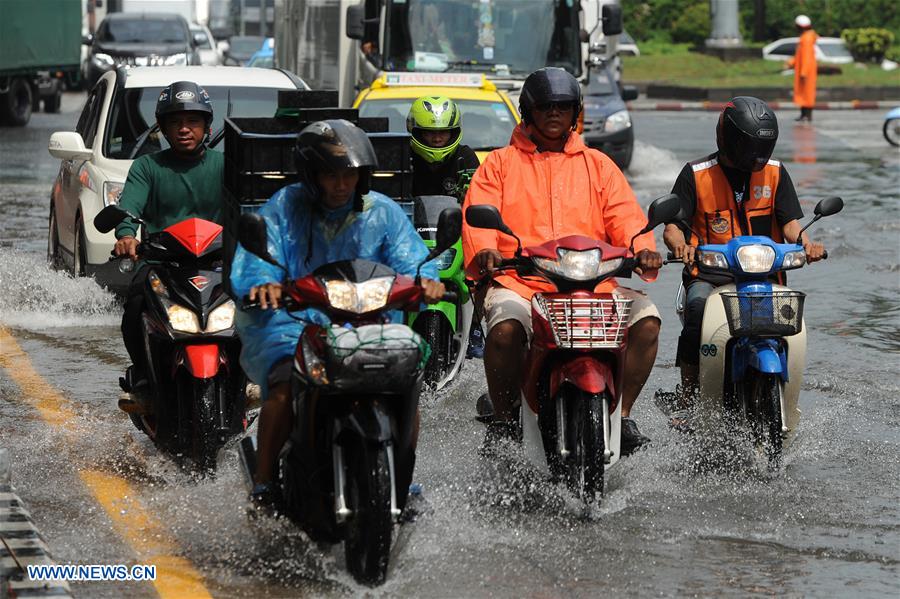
(175, 576)
(51, 405)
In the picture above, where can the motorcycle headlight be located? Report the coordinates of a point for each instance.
(712, 260)
(618, 121)
(756, 258)
(578, 265)
(794, 259)
(182, 319)
(111, 192)
(445, 259)
(221, 318)
(103, 60)
(359, 297)
(175, 60)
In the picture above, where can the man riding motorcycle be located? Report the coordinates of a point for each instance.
(435, 127)
(737, 190)
(330, 215)
(548, 184)
(164, 188)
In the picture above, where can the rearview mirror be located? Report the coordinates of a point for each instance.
(663, 210)
(254, 237)
(68, 145)
(87, 40)
(107, 219)
(485, 216)
(449, 228)
(355, 26)
(612, 19)
(199, 39)
(829, 206)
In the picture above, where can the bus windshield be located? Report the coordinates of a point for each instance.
(501, 36)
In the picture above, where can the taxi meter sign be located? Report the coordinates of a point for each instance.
(435, 79)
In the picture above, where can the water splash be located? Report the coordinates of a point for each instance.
(36, 297)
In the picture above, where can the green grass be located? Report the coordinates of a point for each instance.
(674, 64)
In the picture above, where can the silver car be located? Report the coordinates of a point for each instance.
(210, 56)
(115, 127)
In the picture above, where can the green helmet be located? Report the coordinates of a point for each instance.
(434, 113)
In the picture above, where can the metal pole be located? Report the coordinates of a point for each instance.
(724, 24)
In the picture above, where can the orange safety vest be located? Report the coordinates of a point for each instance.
(717, 216)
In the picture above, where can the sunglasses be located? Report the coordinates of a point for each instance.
(560, 106)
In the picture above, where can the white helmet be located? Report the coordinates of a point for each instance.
(802, 21)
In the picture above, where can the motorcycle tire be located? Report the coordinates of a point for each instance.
(762, 407)
(584, 437)
(435, 330)
(367, 544)
(891, 131)
(205, 440)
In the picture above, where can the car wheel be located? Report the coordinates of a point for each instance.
(54, 258)
(80, 255)
(52, 103)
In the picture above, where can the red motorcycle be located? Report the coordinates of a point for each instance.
(570, 418)
(197, 398)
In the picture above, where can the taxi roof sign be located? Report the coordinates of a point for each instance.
(435, 79)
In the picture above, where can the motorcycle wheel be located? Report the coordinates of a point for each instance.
(367, 544)
(762, 405)
(584, 436)
(204, 438)
(434, 329)
(891, 131)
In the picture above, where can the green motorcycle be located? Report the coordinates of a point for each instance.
(444, 325)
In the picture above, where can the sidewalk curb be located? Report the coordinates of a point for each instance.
(22, 545)
(676, 106)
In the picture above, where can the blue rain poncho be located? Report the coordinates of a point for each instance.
(303, 235)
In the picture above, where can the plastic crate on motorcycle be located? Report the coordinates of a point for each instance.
(374, 358)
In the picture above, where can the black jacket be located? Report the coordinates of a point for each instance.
(440, 178)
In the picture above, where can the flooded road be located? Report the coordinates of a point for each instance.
(828, 524)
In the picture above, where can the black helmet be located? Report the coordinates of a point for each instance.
(332, 145)
(746, 133)
(184, 96)
(550, 84)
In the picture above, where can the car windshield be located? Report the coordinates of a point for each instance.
(262, 62)
(835, 50)
(245, 45)
(600, 84)
(485, 125)
(515, 35)
(146, 31)
(133, 112)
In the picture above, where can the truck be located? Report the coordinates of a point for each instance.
(40, 44)
(346, 44)
(189, 9)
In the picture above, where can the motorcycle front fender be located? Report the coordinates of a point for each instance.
(585, 372)
(894, 113)
(767, 358)
(202, 361)
(369, 421)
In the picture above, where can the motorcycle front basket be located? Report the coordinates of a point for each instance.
(764, 314)
(586, 322)
(374, 358)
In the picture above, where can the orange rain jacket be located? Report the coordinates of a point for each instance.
(805, 70)
(548, 195)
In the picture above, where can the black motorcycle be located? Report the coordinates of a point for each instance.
(197, 389)
(345, 472)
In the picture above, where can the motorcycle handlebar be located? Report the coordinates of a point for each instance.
(449, 296)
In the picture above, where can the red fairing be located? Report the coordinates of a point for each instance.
(405, 293)
(195, 234)
(585, 372)
(202, 360)
(579, 243)
(308, 291)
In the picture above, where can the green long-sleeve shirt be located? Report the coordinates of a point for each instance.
(163, 190)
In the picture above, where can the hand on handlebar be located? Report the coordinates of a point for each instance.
(684, 252)
(488, 259)
(127, 246)
(268, 294)
(432, 291)
(646, 260)
(814, 251)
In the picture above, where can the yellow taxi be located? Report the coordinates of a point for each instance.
(488, 115)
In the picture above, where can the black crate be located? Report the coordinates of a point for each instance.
(307, 98)
(259, 156)
(311, 115)
(374, 124)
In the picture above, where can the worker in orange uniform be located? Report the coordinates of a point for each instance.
(804, 64)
